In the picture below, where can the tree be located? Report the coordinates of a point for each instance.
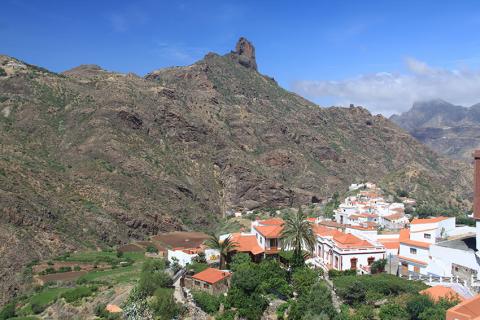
(316, 302)
(297, 233)
(417, 304)
(304, 278)
(207, 302)
(378, 266)
(224, 246)
(240, 259)
(152, 277)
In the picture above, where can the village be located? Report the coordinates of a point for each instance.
(271, 265)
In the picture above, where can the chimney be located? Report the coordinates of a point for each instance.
(476, 190)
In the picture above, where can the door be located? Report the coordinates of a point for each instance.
(404, 269)
(416, 269)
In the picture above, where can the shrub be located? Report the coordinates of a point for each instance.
(50, 263)
(64, 269)
(316, 302)
(37, 307)
(152, 249)
(153, 276)
(3, 73)
(332, 273)
(207, 302)
(119, 254)
(78, 293)
(77, 268)
(393, 312)
(418, 304)
(355, 293)
(8, 311)
(164, 305)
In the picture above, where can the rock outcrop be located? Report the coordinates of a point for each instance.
(245, 54)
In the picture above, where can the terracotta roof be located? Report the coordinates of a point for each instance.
(412, 260)
(430, 220)
(270, 231)
(246, 243)
(350, 241)
(329, 223)
(404, 234)
(438, 292)
(390, 244)
(312, 219)
(113, 308)
(324, 231)
(272, 222)
(467, 310)
(211, 275)
(394, 216)
(414, 243)
(367, 228)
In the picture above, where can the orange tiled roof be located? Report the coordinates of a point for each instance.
(324, 231)
(350, 241)
(414, 243)
(113, 308)
(246, 243)
(211, 275)
(467, 310)
(272, 222)
(270, 231)
(329, 223)
(390, 244)
(312, 219)
(404, 234)
(438, 292)
(395, 216)
(412, 260)
(430, 220)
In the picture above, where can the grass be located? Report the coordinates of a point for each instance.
(44, 298)
(120, 274)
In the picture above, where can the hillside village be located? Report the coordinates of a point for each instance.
(273, 267)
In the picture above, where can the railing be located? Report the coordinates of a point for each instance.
(472, 282)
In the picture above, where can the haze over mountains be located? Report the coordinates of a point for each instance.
(93, 157)
(446, 128)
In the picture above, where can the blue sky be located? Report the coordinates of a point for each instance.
(381, 54)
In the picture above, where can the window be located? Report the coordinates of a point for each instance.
(197, 283)
(370, 260)
(427, 235)
(206, 285)
(353, 264)
(413, 251)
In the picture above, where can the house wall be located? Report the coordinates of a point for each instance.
(182, 257)
(216, 288)
(443, 258)
(421, 255)
(362, 259)
(260, 239)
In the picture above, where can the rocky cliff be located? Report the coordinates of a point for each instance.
(92, 157)
(446, 128)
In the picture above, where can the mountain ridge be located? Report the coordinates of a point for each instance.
(449, 129)
(94, 158)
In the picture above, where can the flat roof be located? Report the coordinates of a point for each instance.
(467, 243)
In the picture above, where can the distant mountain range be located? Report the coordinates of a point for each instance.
(446, 128)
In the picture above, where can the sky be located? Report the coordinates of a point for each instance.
(383, 55)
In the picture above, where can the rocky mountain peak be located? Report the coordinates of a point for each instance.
(245, 53)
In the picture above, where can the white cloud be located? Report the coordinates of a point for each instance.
(389, 93)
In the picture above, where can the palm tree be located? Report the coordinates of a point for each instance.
(224, 246)
(297, 233)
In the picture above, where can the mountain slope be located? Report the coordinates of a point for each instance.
(91, 157)
(446, 128)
